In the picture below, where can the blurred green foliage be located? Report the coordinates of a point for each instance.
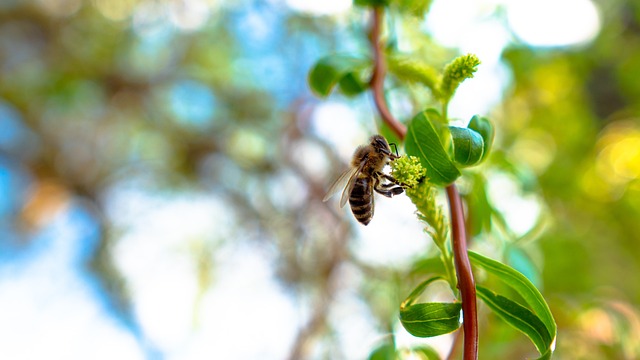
(565, 115)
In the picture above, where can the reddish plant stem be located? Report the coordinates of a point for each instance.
(379, 72)
(466, 283)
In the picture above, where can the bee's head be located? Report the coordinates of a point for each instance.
(380, 144)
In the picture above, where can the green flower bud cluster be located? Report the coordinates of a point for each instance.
(408, 170)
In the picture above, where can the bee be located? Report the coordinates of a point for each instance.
(365, 176)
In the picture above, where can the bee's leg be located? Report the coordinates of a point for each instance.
(389, 189)
(392, 179)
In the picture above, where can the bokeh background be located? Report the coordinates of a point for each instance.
(162, 165)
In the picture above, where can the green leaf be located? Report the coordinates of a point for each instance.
(484, 127)
(430, 265)
(411, 299)
(468, 146)
(523, 287)
(423, 141)
(517, 316)
(386, 351)
(414, 71)
(426, 352)
(431, 319)
(334, 69)
(428, 319)
(352, 84)
(546, 355)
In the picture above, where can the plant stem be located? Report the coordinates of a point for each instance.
(379, 72)
(466, 282)
(445, 108)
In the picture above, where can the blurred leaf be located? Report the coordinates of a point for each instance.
(415, 71)
(519, 317)
(351, 84)
(426, 352)
(371, 3)
(422, 141)
(430, 265)
(386, 351)
(480, 209)
(468, 146)
(522, 286)
(416, 8)
(334, 69)
(527, 179)
(521, 262)
(484, 127)
(411, 299)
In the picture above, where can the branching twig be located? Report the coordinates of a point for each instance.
(458, 234)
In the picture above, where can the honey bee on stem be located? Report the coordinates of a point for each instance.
(365, 176)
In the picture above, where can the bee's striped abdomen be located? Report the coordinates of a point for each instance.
(361, 200)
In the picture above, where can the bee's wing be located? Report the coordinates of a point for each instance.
(352, 181)
(340, 183)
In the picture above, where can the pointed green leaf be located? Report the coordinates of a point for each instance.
(517, 316)
(334, 69)
(431, 319)
(523, 287)
(546, 355)
(423, 141)
(484, 127)
(468, 146)
(411, 299)
(428, 319)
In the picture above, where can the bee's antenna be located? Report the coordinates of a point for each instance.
(395, 147)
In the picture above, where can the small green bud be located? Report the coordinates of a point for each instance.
(460, 69)
(408, 170)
